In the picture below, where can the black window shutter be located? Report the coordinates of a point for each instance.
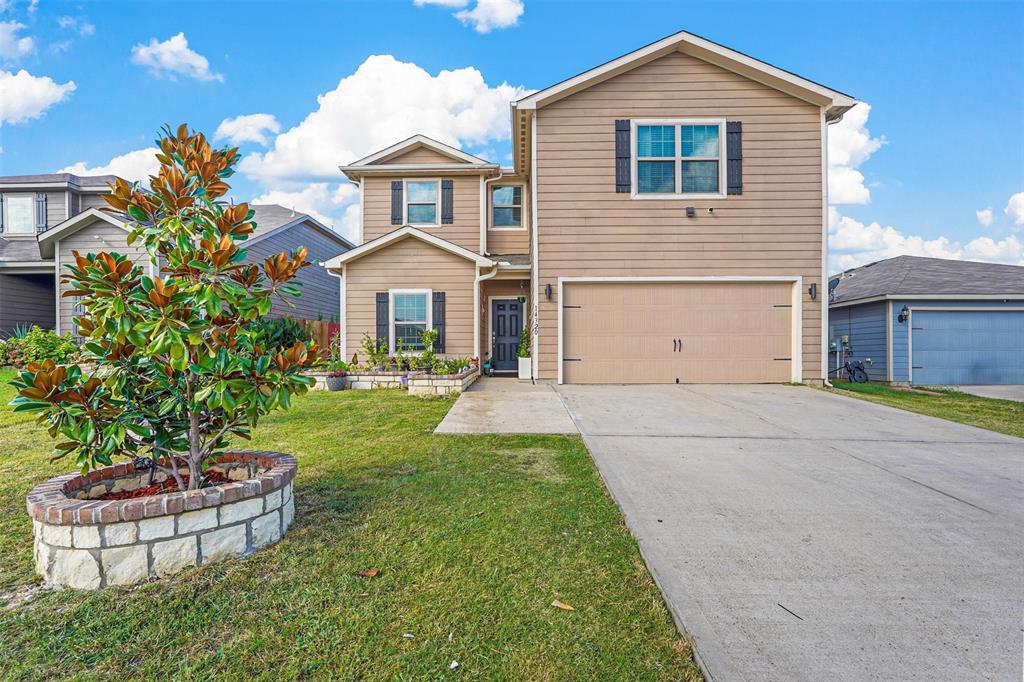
(383, 319)
(437, 317)
(447, 202)
(734, 157)
(396, 202)
(1, 213)
(40, 212)
(622, 160)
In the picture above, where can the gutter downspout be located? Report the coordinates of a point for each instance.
(484, 201)
(341, 309)
(476, 311)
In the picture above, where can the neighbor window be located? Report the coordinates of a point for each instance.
(411, 318)
(19, 214)
(507, 206)
(421, 202)
(679, 158)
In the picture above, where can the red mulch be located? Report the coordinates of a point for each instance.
(168, 486)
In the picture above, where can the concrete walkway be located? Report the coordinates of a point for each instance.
(1002, 392)
(500, 405)
(800, 535)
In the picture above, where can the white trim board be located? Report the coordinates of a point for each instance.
(415, 142)
(929, 297)
(796, 332)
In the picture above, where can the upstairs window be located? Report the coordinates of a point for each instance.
(421, 203)
(507, 206)
(410, 318)
(19, 214)
(679, 158)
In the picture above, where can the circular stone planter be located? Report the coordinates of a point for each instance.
(88, 544)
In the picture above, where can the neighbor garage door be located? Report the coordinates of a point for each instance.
(675, 332)
(950, 347)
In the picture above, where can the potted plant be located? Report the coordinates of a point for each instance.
(337, 371)
(179, 371)
(523, 354)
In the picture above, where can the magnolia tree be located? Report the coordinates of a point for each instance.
(177, 373)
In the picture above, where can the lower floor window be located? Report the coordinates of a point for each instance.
(410, 319)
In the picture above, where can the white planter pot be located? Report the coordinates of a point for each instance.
(524, 369)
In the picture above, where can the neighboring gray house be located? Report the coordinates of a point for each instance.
(46, 217)
(930, 321)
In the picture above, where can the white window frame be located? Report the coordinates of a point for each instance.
(429, 293)
(522, 212)
(678, 158)
(32, 212)
(437, 201)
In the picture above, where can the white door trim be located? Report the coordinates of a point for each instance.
(796, 364)
(490, 318)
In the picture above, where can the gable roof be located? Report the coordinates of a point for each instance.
(909, 276)
(273, 218)
(377, 161)
(403, 233)
(74, 224)
(836, 103)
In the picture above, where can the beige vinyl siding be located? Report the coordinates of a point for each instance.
(505, 240)
(499, 288)
(464, 231)
(93, 201)
(420, 155)
(100, 236)
(586, 228)
(410, 264)
(56, 208)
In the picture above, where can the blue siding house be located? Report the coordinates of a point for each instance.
(930, 321)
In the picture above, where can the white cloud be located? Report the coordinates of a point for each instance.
(136, 165)
(79, 26)
(172, 58)
(849, 145)
(13, 46)
(383, 102)
(984, 217)
(491, 14)
(1015, 208)
(24, 96)
(852, 243)
(247, 128)
(485, 16)
(335, 206)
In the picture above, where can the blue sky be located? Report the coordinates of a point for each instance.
(943, 141)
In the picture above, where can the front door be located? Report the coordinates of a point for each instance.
(506, 324)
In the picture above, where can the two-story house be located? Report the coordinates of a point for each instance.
(664, 222)
(44, 218)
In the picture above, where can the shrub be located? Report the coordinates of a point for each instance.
(523, 351)
(179, 372)
(37, 345)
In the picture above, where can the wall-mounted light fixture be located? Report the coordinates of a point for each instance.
(813, 291)
(904, 314)
(547, 291)
(691, 212)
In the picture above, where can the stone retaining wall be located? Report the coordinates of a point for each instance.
(88, 544)
(441, 384)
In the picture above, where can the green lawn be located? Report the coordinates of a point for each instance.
(473, 536)
(1004, 416)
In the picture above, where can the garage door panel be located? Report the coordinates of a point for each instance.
(968, 347)
(621, 332)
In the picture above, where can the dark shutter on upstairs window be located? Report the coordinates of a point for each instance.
(396, 202)
(622, 160)
(1, 213)
(40, 212)
(734, 157)
(383, 320)
(447, 202)
(437, 317)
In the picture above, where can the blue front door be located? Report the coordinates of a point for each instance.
(506, 324)
(951, 347)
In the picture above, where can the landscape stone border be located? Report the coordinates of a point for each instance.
(85, 543)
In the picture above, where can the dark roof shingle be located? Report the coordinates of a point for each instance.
(915, 275)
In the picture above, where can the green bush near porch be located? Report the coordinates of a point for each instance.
(473, 537)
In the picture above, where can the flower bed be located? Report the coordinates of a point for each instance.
(87, 543)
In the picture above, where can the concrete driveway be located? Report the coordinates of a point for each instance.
(1002, 391)
(799, 535)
